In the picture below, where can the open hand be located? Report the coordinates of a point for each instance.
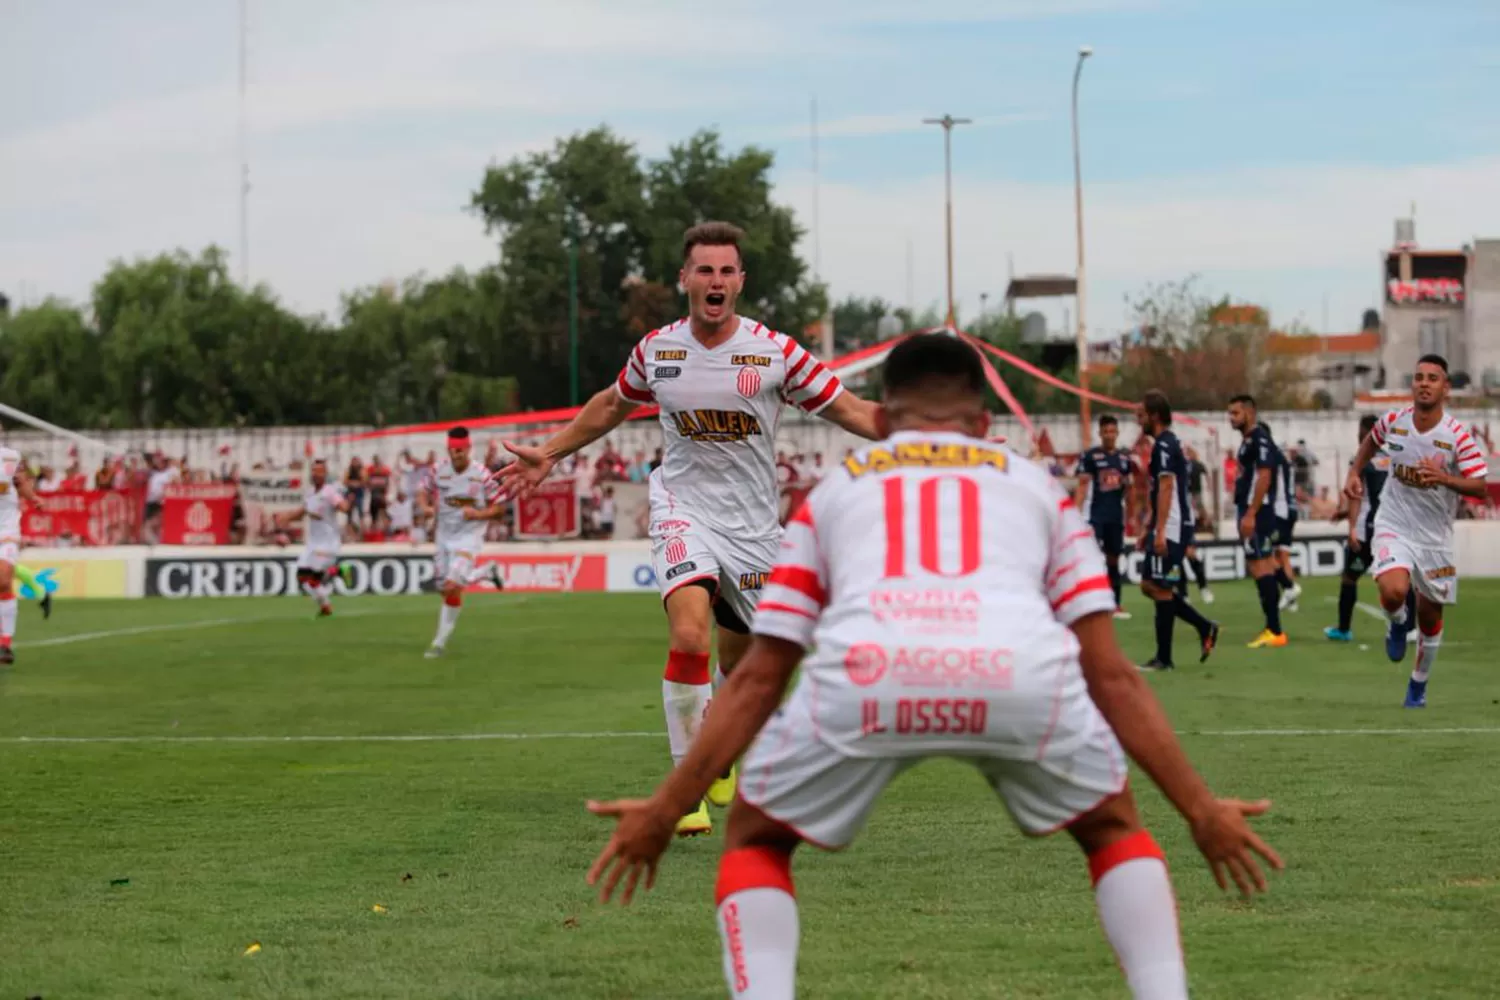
(1224, 837)
(528, 470)
(642, 834)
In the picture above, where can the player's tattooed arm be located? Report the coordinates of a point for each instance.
(855, 415)
(1130, 707)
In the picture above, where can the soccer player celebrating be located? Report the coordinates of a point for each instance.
(1357, 552)
(720, 381)
(318, 566)
(1102, 494)
(1256, 492)
(465, 496)
(1032, 689)
(1433, 462)
(15, 488)
(1168, 529)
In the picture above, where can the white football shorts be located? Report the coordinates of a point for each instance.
(454, 562)
(319, 561)
(826, 796)
(684, 550)
(1433, 571)
(10, 552)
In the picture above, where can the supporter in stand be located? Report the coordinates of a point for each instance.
(355, 485)
(379, 479)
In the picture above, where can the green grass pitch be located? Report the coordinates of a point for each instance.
(145, 868)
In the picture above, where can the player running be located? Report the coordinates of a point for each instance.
(1434, 462)
(465, 497)
(1103, 494)
(318, 566)
(1169, 528)
(721, 381)
(1357, 551)
(936, 514)
(1257, 494)
(15, 488)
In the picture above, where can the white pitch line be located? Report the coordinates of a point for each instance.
(642, 734)
(120, 633)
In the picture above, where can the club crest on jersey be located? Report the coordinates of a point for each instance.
(669, 356)
(748, 382)
(754, 360)
(716, 425)
(925, 455)
(676, 549)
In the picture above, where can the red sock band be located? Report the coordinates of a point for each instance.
(1436, 631)
(753, 868)
(7, 594)
(453, 600)
(1138, 845)
(687, 668)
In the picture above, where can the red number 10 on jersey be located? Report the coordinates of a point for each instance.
(955, 496)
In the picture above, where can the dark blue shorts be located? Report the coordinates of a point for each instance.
(1267, 535)
(1284, 527)
(1111, 538)
(1165, 570)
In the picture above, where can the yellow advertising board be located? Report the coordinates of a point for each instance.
(68, 578)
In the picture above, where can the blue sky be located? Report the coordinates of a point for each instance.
(1265, 146)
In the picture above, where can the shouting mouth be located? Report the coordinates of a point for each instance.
(714, 303)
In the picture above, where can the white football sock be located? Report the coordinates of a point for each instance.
(447, 620)
(1427, 651)
(758, 925)
(685, 694)
(322, 595)
(1398, 616)
(7, 618)
(1139, 914)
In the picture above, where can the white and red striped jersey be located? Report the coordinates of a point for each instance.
(10, 500)
(941, 567)
(452, 492)
(1423, 516)
(321, 503)
(720, 410)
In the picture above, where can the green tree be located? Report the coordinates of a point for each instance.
(50, 365)
(1201, 351)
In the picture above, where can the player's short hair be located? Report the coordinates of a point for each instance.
(933, 362)
(1244, 399)
(1155, 403)
(1108, 420)
(1434, 359)
(1367, 424)
(461, 433)
(712, 234)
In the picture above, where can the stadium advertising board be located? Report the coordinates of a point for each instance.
(70, 578)
(1225, 560)
(380, 575)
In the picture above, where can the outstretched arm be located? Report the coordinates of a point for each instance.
(605, 411)
(853, 414)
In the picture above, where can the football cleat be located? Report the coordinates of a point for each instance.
(1121, 615)
(1207, 641)
(1395, 642)
(346, 573)
(1207, 595)
(1335, 634)
(1416, 694)
(494, 576)
(697, 822)
(47, 605)
(326, 611)
(1154, 664)
(1289, 598)
(721, 792)
(7, 655)
(433, 652)
(1267, 639)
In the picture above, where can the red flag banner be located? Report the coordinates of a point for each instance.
(83, 517)
(198, 514)
(550, 511)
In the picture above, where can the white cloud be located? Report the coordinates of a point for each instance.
(1282, 235)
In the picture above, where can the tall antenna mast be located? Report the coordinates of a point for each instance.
(816, 245)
